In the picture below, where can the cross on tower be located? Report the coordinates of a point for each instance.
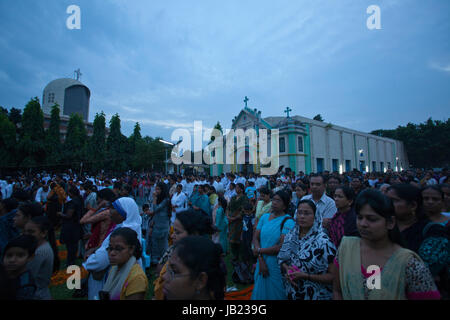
(245, 100)
(287, 111)
(78, 74)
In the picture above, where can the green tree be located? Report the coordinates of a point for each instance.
(218, 127)
(75, 142)
(7, 141)
(97, 143)
(427, 144)
(15, 116)
(53, 144)
(116, 145)
(32, 139)
(135, 143)
(318, 118)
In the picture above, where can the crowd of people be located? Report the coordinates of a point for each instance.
(293, 236)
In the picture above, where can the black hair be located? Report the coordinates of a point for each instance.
(315, 175)
(127, 187)
(145, 206)
(434, 187)
(223, 202)
(348, 192)
(117, 185)
(164, 193)
(410, 194)
(195, 222)
(10, 204)
(310, 203)
(200, 254)
(248, 206)
(336, 178)
(44, 224)
(131, 238)
(74, 191)
(31, 209)
(241, 186)
(383, 206)
(302, 186)
(107, 194)
(23, 241)
(265, 190)
(284, 197)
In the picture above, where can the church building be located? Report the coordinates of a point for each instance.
(314, 146)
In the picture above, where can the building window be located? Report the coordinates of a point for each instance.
(300, 143)
(374, 166)
(389, 165)
(282, 144)
(319, 165)
(381, 166)
(362, 166)
(348, 165)
(51, 97)
(335, 164)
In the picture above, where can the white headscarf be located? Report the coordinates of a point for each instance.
(99, 260)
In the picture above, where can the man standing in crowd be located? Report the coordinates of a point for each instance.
(326, 208)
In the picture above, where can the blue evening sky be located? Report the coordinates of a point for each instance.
(168, 63)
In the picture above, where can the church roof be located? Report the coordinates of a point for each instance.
(63, 83)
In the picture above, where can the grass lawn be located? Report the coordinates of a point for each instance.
(61, 292)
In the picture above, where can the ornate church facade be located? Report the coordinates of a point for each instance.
(312, 146)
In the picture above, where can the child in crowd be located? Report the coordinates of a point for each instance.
(45, 260)
(18, 253)
(250, 191)
(247, 234)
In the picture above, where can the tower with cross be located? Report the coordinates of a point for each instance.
(246, 100)
(287, 111)
(78, 74)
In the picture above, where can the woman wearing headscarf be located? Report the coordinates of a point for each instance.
(306, 257)
(124, 213)
(268, 239)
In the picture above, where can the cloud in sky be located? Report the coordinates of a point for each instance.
(166, 64)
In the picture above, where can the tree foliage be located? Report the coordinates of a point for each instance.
(25, 143)
(318, 118)
(427, 144)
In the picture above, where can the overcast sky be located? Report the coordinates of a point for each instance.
(168, 63)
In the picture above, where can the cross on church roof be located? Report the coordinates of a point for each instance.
(287, 111)
(78, 74)
(245, 100)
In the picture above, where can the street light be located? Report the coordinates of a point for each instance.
(169, 144)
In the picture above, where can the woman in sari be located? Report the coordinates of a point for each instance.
(100, 220)
(234, 216)
(160, 212)
(393, 272)
(264, 204)
(306, 257)
(221, 224)
(269, 237)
